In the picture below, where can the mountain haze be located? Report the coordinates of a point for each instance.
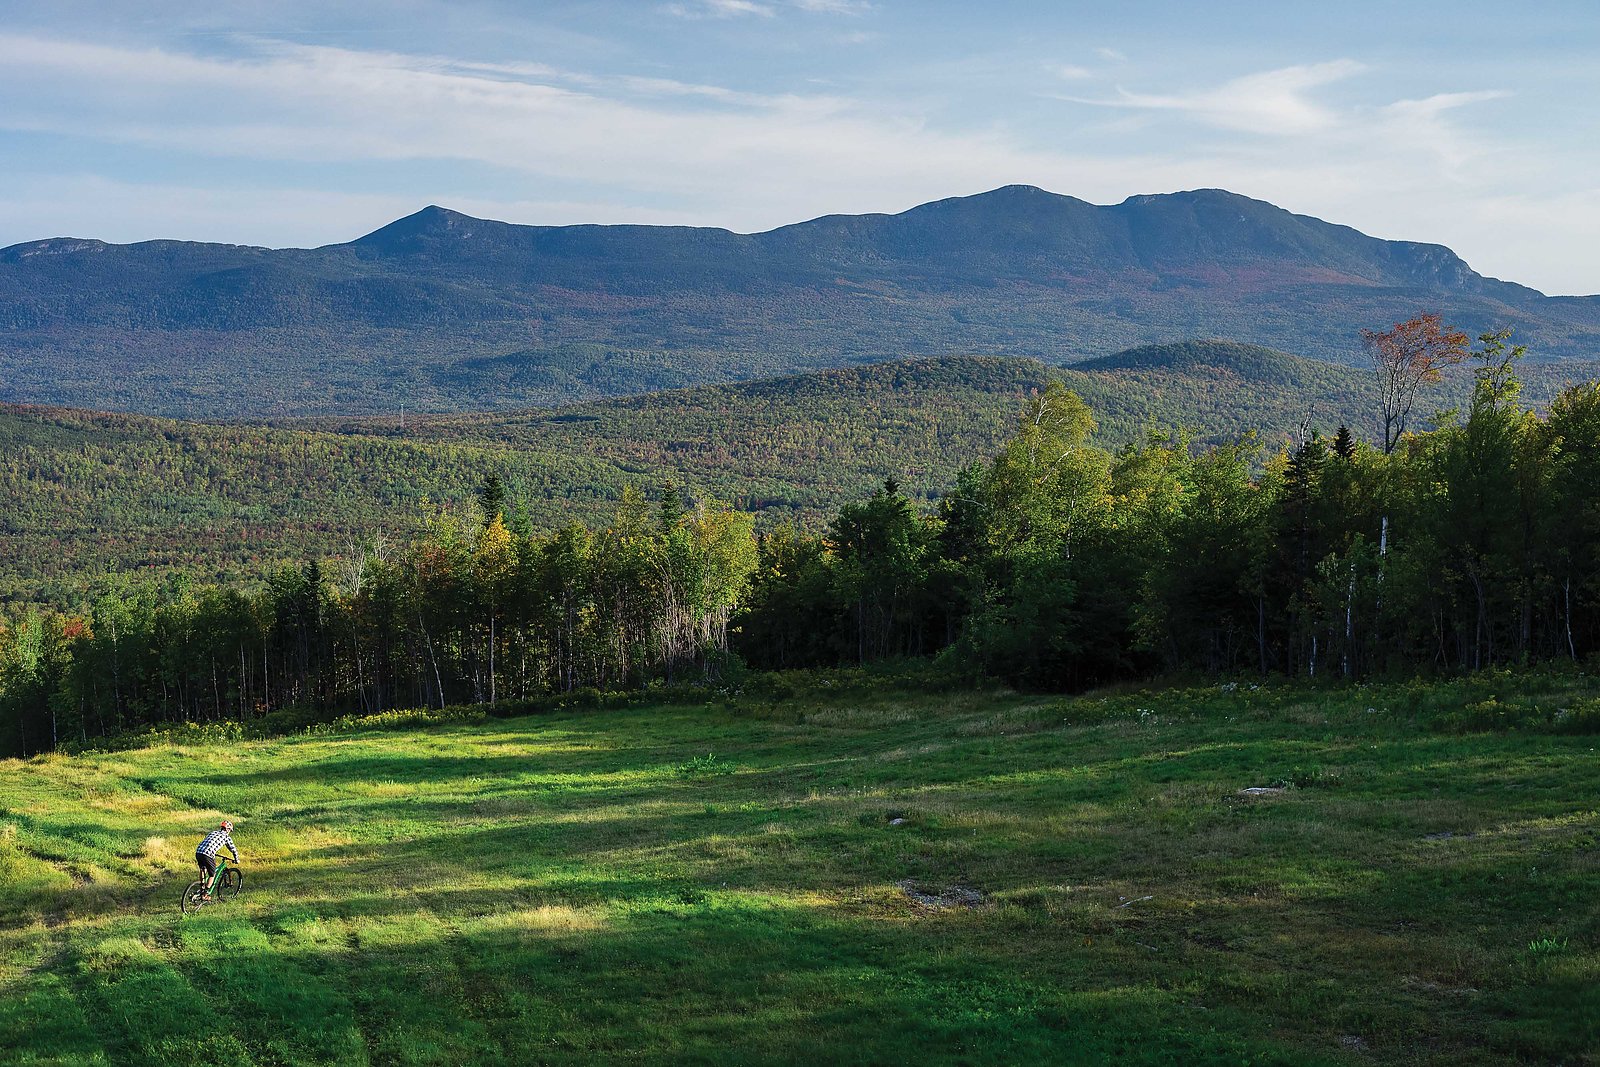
(440, 311)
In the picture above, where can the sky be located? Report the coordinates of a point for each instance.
(293, 123)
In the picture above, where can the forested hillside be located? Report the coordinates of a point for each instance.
(442, 312)
(1052, 562)
(94, 494)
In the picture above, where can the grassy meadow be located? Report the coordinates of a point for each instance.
(833, 872)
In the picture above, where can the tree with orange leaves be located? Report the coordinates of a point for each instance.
(1406, 357)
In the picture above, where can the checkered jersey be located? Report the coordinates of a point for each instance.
(215, 842)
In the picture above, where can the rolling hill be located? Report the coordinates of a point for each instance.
(94, 493)
(442, 312)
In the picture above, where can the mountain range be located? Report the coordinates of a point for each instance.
(442, 312)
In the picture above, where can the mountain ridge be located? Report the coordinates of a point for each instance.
(1426, 259)
(444, 311)
(435, 220)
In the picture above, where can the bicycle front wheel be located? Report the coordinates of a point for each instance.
(232, 882)
(194, 898)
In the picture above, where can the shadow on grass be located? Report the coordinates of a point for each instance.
(1136, 910)
(694, 983)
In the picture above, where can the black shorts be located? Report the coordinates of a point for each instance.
(208, 864)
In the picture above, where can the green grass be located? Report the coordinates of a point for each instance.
(1069, 880)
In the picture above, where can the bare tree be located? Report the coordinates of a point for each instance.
(1406, 357)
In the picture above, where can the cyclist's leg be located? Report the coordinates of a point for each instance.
(208, 869)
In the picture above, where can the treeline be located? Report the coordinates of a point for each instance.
(1060, 564)
(479, 609)
(1057, 564)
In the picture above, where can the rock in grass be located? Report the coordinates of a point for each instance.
(952, 897)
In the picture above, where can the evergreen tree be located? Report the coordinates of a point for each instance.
(1344, 443)
(1569, 529)
(880, 552)
(671, 506)
(492, 498)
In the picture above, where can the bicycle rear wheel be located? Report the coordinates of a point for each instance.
(194, 898)
(232, 882)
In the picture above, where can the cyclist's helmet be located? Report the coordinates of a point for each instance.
(227, 824)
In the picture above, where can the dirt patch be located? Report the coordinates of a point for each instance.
(954, 896)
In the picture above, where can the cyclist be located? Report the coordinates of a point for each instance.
(205, 853)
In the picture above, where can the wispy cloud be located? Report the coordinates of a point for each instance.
(1423, 126)
(728, 9)
(540, 142)
(1409, 168)
(719, 9)
(1433, 105)
(659, 137)
(1272, 102)
(834, 7)
(1282, 103)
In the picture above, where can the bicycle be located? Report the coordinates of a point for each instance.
(224, 884)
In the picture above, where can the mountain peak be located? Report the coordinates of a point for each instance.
(434, 215)
(1013, 192)
(429, 226)
(1193, 196)
(51, 246)
(1250, 360)
(1006, 198)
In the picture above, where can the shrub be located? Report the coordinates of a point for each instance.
(185, 733)
(1493, 715)
(706, 766)
(1546, 947)
(1308, 778)
(1582, 717)
(10, 855)
(1501, 716)
(403, 719)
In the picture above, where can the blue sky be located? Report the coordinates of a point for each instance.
(296, 123)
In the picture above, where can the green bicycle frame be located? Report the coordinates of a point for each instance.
(216, 879)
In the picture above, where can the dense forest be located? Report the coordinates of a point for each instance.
(1056, 563)
(95, 495)
(96, 500)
